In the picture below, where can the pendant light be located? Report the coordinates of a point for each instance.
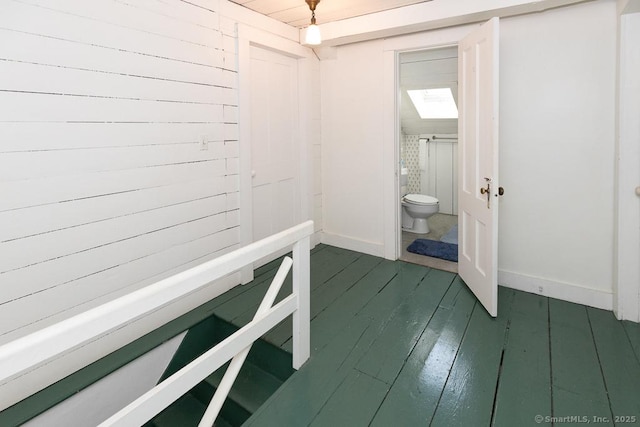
(313, 36)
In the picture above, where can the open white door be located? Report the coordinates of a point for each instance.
(478, 163)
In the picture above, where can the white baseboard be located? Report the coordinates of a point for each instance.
(559, 290)
(316, 238)
(371, 248)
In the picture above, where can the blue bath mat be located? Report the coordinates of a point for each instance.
(451, 236)
(435, 249)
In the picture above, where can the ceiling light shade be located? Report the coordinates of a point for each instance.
(313, 36)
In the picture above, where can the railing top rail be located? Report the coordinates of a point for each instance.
(28, 352)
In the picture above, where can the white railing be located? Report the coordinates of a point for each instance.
(233, 370)
(34, 350)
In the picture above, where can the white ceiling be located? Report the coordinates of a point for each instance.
(419, 70)
(297, 13)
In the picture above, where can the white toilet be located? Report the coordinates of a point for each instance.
(416, 208)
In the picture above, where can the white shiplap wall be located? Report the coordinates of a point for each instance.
(104, 185)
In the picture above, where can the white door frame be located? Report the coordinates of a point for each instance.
(247, 37)
(392, 208)
(626, 292)
(391, 126)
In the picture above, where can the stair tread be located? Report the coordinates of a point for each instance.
(185, 412)
(266, 368)
(252, 387)
(220, 422)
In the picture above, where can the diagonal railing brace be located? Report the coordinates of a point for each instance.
(232, 371)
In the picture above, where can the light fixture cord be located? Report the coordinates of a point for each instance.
(313, 17)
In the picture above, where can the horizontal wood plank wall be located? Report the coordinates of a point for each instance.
(105, 184)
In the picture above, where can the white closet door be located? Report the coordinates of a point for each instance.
(274, 143)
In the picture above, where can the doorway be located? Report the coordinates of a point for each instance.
(274, 162)
(427, 92)
(275, 150)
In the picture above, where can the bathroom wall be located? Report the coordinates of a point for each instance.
(409, 152)
(440, 178)
(420, 69)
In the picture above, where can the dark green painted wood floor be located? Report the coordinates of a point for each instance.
(396, 344)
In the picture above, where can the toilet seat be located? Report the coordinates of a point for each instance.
(420, 199)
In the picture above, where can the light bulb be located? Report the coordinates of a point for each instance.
(313, 36)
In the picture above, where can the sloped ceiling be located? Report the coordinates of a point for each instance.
(297, 14)
(427, 69)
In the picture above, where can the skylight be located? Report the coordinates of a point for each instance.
(434, 103)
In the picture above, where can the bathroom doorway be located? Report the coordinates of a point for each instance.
(428, 94)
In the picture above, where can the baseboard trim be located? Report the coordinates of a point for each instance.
(370, 248)
(559, 290)
(316, 238)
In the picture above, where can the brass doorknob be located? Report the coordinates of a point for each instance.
(484, 190)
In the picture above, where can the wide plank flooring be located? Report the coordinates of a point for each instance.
(397, 344)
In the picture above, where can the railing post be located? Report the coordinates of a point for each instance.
(302, 316)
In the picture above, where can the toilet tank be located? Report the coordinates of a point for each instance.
(404, 176)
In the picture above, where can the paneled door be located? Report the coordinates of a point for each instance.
(275, 152)
(478, 163)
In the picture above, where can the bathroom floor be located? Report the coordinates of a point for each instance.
(439, 224)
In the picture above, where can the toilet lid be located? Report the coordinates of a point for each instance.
(420, 199)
